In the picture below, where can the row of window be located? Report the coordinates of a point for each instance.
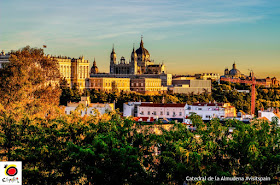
(136, 84)
(161, 113)
(83, 72)
(107, 84)
(209, 109)
(86, 112)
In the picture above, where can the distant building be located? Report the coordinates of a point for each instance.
(269, 81)
(208, 111)
(74, 71)
(108, 84)
(148, 111)
(186, 86)
(131, 108)
(94, 68)
(166, 79)
(154, 111)
(269, 115)
(88, 107)
(4, 58)
(233, 73)
(208, 76)
(140, 63)
(146, 85)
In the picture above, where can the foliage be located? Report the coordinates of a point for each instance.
(112, 150)
(29, 82)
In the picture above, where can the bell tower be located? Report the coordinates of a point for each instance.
(113, 59)
(133, 63)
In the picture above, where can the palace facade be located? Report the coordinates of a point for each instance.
(75, 71)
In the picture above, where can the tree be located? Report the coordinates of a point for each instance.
(29, 82)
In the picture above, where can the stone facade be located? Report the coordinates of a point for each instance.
(74, 71)
(108, 84)
(140, 63)
(146, 85)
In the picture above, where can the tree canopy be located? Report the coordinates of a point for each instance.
(29, 82)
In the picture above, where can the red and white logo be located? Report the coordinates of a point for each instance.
(10, 172)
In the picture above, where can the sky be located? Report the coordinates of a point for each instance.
(188, 36)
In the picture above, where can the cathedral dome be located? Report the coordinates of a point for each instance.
(94, 68)
(141, 50)
(234, 71)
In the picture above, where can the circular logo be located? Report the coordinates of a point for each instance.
(11, 170)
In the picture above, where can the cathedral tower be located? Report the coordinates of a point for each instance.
(113, 61)
(94, 68)
(133, 62)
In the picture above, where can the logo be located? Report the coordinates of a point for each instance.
(10, 172)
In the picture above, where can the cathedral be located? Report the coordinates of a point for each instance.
(140, 63)
(234, 72)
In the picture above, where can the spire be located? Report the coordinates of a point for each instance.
(234, 65)
(133, 51)
(113, 49)
(141, 43)
(94, 63)
(133, 47)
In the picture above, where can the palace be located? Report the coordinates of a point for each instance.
(75, 71)
(140, 63)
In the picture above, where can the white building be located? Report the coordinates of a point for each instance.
(131, 108)
(87, 108)
(269, 115)
(154, 111)
(148, 111)
(207, 111)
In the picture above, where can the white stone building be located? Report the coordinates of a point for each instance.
(87, 108)
(269, 115)
(148, 111)
(207, 111)
(130, 108)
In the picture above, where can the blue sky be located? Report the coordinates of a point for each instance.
(188, 36)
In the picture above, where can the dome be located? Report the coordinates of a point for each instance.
(234, 72)
(94, 68)
(141, 50)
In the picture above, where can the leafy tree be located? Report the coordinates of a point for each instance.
(29, 82)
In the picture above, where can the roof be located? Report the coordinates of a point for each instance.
(234, 72)
(154, 65)
(208, 104)
(141, 50)
(263, 118)
(162, 105)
